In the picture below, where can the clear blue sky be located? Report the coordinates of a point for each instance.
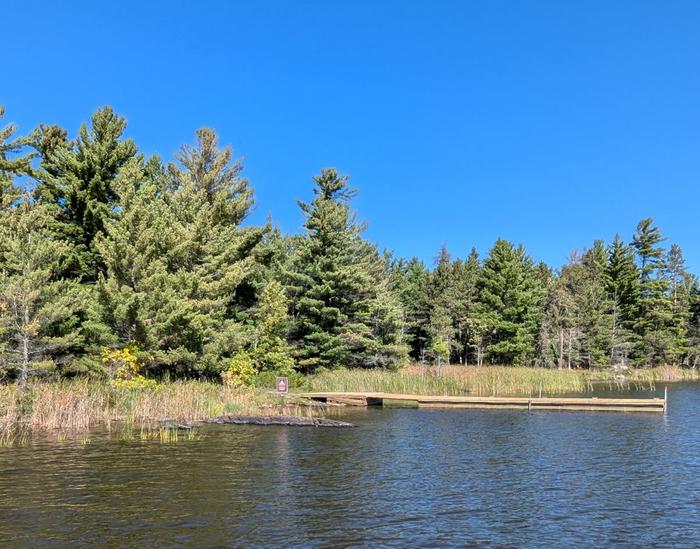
(546, 123)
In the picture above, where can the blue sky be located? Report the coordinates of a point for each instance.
(546, 123)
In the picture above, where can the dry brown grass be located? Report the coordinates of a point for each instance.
(75, 406)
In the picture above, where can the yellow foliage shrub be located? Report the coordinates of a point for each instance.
(135, 382)
(125, 369)
(240, 371)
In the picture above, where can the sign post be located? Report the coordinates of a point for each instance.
(282, 385)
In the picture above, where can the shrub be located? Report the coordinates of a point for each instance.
(240, 371)
(135, 382)
(125, 369)
(266, 380)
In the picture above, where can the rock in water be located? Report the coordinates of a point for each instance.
(291, 421)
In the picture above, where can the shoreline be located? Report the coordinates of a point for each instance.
(82, 405)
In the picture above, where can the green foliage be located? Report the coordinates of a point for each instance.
(653, 322)
(510, 302)
(12, 164)
(440, 349)
(272, 353)
(266, 380)
(410, 281)
(77, 176)
(154, 261)
(38, 308)
(345, 313)
(623, 290)
(240, 370)
(175, 258)
(577, 323)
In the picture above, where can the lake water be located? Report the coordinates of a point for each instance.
(430, 478)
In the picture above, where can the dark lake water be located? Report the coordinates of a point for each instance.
(430, 478)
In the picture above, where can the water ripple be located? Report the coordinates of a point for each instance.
(429, 478)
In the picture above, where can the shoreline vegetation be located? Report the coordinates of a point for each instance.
(126, 276)
(493, 380)
(77, 407)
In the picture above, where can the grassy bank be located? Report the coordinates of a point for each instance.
(491, 380)
(80, 405)
(654, 375)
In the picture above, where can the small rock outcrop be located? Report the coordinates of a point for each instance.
(290, 421)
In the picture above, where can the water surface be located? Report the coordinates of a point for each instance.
(432, 478)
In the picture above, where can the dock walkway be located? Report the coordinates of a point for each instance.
(589, 404)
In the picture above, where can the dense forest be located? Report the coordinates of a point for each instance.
(110, 257)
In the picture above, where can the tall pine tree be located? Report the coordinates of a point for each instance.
(510, 303)
(77, 176)
(410, 281)
(38, 319)
(344, 312)
(177, 256)
(623, 291)
(653, 323)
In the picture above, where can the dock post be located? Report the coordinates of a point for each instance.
(529, 405)
(665, 398)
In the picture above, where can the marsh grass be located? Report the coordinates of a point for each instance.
(453, 381)
(491, 380)
(164, 435)
(663, 374)
(68, 407)
(72, 408)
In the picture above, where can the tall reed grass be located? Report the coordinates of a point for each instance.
(489, 380)
(662, 374)
(76, 406)
(79, 405)
(452, 381)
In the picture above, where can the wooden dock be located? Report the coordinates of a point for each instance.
(590, 404)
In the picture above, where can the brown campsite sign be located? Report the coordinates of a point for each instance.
(282, 385)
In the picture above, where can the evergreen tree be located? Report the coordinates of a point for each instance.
(680, 285)
(12, 164)
(176, 257)
(623, 291)
(37, 308)
(693, 338)
(272, 353)
(451, 297)
(344, 312)
(410, 281)
(142, 253)
(464, 291)
(595, 308)
(510, 301)
(560, 317)
(653, 322)
(78, 177)
(577, 321)
(441, 326)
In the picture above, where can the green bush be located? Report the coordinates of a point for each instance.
(266, 380)
(240, 371)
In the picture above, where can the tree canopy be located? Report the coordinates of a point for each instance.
(104, 250)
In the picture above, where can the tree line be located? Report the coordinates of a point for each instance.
(104, 249)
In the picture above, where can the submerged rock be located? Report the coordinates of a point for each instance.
(167, 424)
(290, 421)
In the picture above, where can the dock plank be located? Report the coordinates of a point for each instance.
(528, 403)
